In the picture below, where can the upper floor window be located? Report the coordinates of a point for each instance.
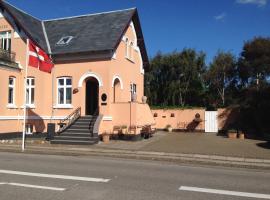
(64, 90)
(129, 49)
(5, 40)
(11, 90)
(30, 91)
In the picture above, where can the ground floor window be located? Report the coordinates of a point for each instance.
(64, 90)
(30, 91)
(11, 90)
(133, 91)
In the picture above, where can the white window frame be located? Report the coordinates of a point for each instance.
(29, 87)
(10, 104)
(28, 129)
(63, 42)
(133, 90)
(127, 47)
(131, 51)
(5, 35)
(65, 86)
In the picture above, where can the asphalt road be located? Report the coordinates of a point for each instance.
(34, 177)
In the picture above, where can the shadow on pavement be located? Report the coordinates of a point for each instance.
(265, 145)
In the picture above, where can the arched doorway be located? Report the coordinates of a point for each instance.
(91, 96)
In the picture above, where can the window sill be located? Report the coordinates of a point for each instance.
(63, 106)
(130, 60)
(29, 106)
(12, 106)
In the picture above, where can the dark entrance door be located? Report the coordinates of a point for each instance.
(91, 94)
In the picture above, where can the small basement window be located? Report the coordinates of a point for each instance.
(64, 40)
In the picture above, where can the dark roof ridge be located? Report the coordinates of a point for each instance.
(21, 10)
(87, 15)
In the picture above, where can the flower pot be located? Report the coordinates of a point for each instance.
(232, 135)
(106, 138)
(144, 99)
(124, 130)
(170, 129)
(241, 136)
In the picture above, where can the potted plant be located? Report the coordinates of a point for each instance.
(106, 137)
(124, 129)
(169, 128)
(241, 135)
(232, 133)
(144, 99)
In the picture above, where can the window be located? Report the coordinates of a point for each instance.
(127, 48)
(30, 91)
(11, 89)
(5, 40)
(133, 88)
(64, 40)
(64, 90)
(133, 91)
(131, 51)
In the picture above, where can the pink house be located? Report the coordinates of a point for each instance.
(96, 85)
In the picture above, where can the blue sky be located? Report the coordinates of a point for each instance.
(207, 25)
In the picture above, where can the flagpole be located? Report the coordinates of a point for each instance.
(25, 83)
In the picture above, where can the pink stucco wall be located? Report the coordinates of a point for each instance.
(178, 118)
(45, 108)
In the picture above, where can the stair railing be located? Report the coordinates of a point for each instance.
(69, 120)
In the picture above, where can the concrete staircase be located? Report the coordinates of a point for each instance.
(79, 133)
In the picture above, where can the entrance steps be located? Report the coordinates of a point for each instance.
(79, 133)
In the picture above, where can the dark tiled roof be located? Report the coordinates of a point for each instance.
(92, 33)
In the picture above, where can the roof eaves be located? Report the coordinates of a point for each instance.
(87, 15)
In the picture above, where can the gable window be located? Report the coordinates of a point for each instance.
(30, 91)
(127, 47)
(131, 51)
(64, 40)
(11, 90)
(64, 89)
(5, 40)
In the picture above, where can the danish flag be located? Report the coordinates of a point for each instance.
(39, 59)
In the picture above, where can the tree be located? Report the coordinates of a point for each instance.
(175, 79)
(254, 63)
(220, 76)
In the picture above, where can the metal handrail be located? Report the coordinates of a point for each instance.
(7, 55)
(70, 119)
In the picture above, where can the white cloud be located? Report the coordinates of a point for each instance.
(259, 3)
(220, 17)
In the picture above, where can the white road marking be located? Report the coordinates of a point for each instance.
(34, 186)
(225, 192)
(77, 178)
(37, 186)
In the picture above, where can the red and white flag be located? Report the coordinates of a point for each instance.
(39, 59)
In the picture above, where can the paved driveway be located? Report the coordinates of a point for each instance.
(202, 143)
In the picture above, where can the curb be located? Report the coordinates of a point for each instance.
(144, 155)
